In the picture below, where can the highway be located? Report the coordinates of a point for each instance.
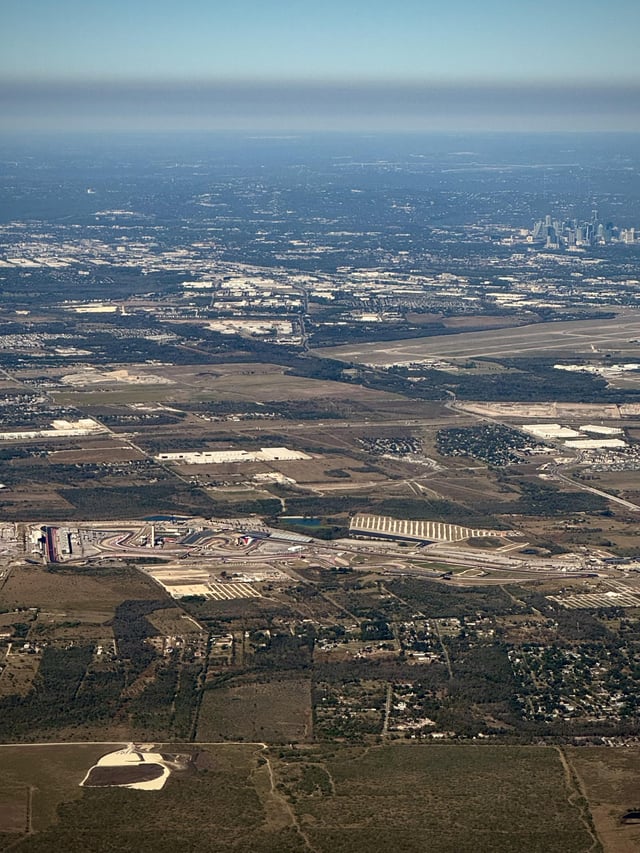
(556, 475)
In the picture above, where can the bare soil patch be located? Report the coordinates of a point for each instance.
(96, 455)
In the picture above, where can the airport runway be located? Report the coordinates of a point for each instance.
(621, 334)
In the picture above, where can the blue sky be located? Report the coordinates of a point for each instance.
(51, 52)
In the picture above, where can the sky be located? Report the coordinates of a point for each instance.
(297, 64)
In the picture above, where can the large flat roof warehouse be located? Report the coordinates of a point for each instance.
(60, 429)
(217, 457)
(551, 431)
(578, 439)
(601, 430)
(595, 443)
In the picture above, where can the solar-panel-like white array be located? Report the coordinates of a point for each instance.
(227, 591)
(431, 531)
(596, 599)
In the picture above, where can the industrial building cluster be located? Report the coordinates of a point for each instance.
(587, 437)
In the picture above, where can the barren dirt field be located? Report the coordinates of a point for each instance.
(97, 454)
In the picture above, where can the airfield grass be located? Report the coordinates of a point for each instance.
(474, 321)
(116, 397)
(261, 387)
(478, 321)
(404, 797)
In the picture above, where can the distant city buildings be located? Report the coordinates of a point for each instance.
(570, 233)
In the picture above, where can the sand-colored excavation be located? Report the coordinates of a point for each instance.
(128, 768)
(92, 376)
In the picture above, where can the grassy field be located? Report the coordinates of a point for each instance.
(442, 798)
(18, 673)
(228, 382)
(53, 773)
(76, 594)
(609, 778)
(277, 712)
(96, 454)
(225, 804)
(410, 798)
(172, 621)
(14, 808)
